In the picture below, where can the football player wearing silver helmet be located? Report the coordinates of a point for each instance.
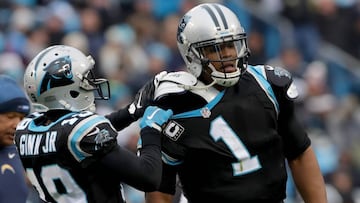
(60, 77)
(71, 154)
(214, 49)
(234, 126)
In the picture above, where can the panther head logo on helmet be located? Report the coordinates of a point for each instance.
(58, 73)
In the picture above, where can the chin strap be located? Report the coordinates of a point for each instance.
(189, 87)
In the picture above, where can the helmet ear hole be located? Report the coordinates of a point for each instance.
(74, 94)
(189, 59)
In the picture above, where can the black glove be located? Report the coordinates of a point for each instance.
(144, 97)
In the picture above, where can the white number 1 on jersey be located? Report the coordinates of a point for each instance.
(219, 129)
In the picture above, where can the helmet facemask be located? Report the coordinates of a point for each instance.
(223, 77)
(100, 86)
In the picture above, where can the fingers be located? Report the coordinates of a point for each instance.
(155, 117)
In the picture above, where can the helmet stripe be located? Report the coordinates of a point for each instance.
(214, 18)
(221, 13)
(212, 15)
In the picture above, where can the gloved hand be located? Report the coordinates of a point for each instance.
(155, 117)
(144, 97)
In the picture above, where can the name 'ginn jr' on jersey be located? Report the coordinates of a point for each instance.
(30, 144)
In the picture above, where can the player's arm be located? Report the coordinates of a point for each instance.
(162, 85)
(132, 112)
(172, 91)
(302, 161)
(308, 178)
(167, 188)
(135, 110)
(290, 129)
(144, 171)
(297, 146)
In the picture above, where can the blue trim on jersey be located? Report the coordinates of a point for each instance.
(77, 135)
(139, 143)
(259, 73)
(197, 112)
(35, 128)
(169, 160)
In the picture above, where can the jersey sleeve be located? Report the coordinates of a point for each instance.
(168, 179)
(294, 135)
(90, 139)
(295, 139)
(143, 171)
(120, 118)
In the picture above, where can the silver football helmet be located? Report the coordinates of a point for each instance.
(60, 77)
(213, 26)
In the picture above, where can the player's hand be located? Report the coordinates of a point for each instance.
(155, 117)
(144, 97)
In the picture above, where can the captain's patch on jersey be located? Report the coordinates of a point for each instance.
(173, 130)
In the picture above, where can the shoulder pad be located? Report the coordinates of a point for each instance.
(208, 93)
(174, 82)
(280, 77)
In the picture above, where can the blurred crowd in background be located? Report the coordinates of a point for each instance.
(318, 41)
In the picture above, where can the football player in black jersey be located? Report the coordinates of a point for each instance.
(71, 154)
(233, 130)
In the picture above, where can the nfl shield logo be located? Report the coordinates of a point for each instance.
(205, 112)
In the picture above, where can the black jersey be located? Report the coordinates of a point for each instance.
(232, 148)
(60, 157)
